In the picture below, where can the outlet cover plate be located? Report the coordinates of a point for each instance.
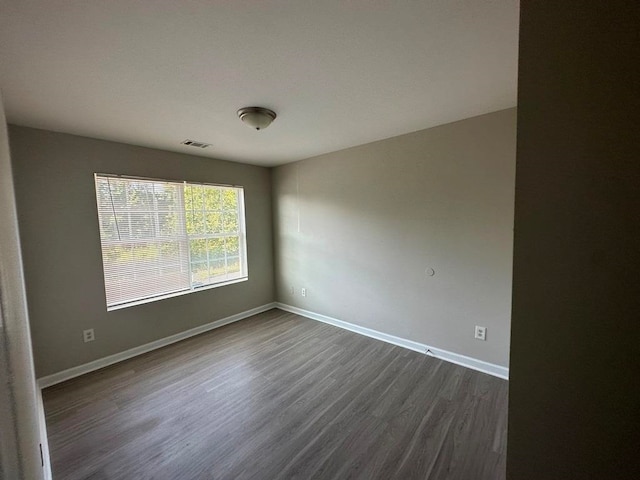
(88, 335)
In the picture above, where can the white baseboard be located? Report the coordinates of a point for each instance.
(70, 373)
(475, 364)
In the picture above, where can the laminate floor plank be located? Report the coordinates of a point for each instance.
(278, 396)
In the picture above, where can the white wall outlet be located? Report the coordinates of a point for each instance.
(303, 292)
(88, 335)
(481, 333)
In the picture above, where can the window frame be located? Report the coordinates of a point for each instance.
(184, 235)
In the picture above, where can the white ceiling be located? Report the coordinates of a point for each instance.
(338, 73)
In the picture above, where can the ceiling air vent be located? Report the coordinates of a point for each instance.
(193, 143)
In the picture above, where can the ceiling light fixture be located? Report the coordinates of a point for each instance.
(257, 118)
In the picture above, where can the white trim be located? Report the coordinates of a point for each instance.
(469, 362)
(401, 342)
(59, 377)
(463, 360)
(44, 439)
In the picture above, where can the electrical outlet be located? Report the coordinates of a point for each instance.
(88, 335)
(481, 333)
(303, 292)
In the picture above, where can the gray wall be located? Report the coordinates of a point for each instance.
(19, 417)
(358, 228)
(62, 258)
(575, 345)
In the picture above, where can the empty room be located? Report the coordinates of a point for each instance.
(316, 240)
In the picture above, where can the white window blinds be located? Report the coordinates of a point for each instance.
(160, 238)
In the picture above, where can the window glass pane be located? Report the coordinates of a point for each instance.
(233, 264)
(216, 248)
(213, 222)
(199, 274)
(195, 223)
(217, 269)
(230, 221)
(193, 198)
(211, 197)
(233, 246)
(198, 250)
(230, 199)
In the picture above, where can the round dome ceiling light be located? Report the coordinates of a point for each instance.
(257, 118)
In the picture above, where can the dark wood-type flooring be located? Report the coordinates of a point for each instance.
(278, 396)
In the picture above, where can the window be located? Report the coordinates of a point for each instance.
(161, 238)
